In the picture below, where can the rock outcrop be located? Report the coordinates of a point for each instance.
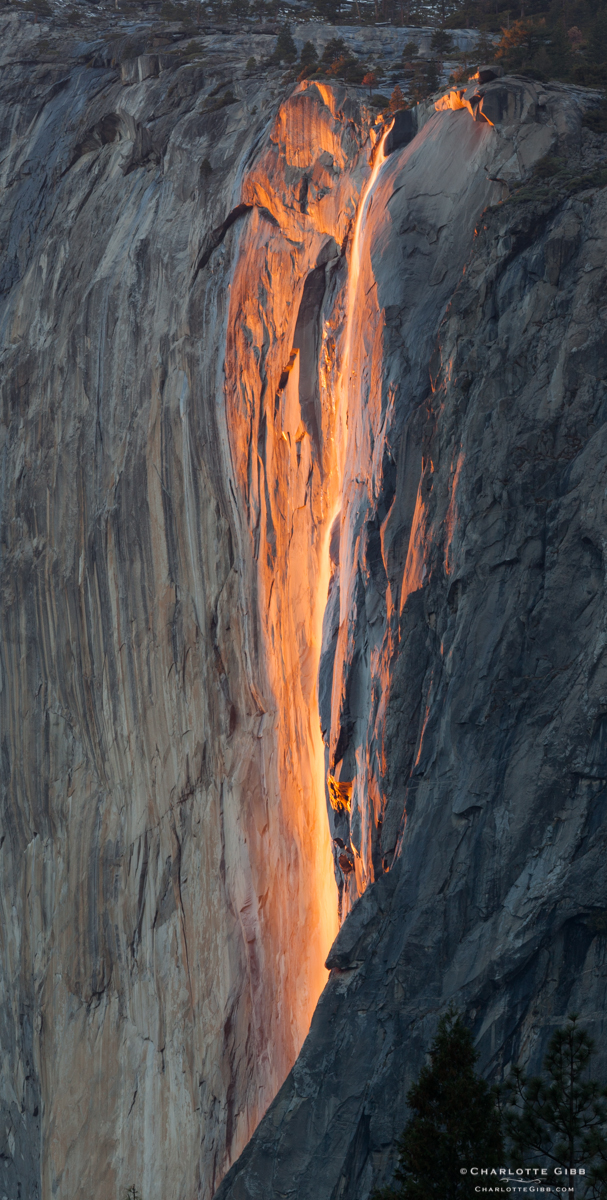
(168, 892)
(467, 659)
(248, 364)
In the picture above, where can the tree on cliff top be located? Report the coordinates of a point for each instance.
(308, 60)
(328, 10)
(369, 81)
(455, 1122)
(285, 49)
(334, 50)
(397, 100)
(441, 41)
(560, 1118)
(308, 55)
(426, 80)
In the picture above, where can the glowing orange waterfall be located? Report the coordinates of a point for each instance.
(351, 298)
(334, 490)
(338, 492)
(287, 447)
(346, 369)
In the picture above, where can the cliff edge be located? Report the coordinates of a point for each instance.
(287, 400)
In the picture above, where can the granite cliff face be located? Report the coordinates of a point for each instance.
(168, 896)
(469, 687)
(273, 415)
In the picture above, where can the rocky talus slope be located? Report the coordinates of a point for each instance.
(277, 410)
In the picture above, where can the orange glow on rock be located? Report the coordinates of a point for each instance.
(379, 158)
(343, 421)
(414, 573)
(340, 794)
(452, 100)
(451, 515)
(287, 444)
(361, 354)
(456, 99)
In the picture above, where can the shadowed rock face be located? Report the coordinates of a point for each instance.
(467, 661)
(190, 466)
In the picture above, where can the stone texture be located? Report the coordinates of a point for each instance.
(168, 893)
(469, 695)
(223, 401)
(377, 43)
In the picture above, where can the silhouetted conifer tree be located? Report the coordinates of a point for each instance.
(426, 80)
(285, 49)
(308, 54)
(455, 1123)
(559, 1120)
(328, 10)
(409, 51)
(334, 49)
(441, 41)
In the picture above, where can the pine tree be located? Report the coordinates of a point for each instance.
(285, 49)
(593, 71)
(308, 54)
(560, 53)
(441, 41)
(426, 80)
(334, 49)
(409, 51)
(484, 49)
(328, 10)
(308, 61)
(397, 100)
(454, 1124)
(559, 1120)
(369, 81)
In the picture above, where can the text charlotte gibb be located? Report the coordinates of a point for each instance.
(513, 1181)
